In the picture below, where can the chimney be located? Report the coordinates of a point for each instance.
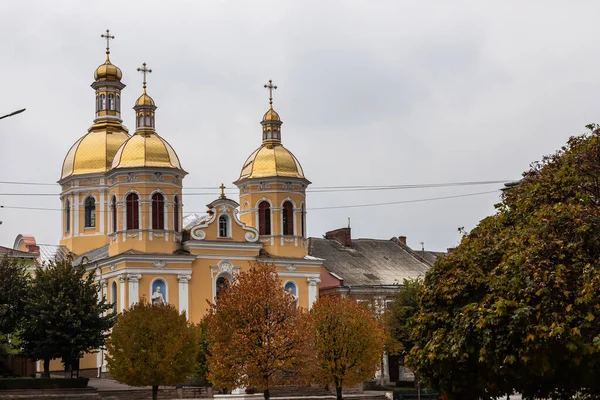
(402, 239)
(342, 235)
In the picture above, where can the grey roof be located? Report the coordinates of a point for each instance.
(16, 253)
(369, 262)
(52, 252)
(93, 255)
(429, 256)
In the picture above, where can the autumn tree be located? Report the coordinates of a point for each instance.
(257, 335)
(348, 341)
(515, 306)
(64, 316)
(14, 284)
(201, 370)
(152, 345)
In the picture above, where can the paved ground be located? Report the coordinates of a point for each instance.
(110, 384)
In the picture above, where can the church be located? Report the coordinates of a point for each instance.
(122, 212)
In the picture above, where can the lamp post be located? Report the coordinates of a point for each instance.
(13, 113)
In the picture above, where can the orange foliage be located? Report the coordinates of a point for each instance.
(348, 341)
(257, 336)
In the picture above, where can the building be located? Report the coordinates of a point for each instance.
(122, 199)
(368, 270)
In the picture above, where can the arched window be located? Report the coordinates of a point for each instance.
(111, 101)
(113, 295)
(264, 218)
(118, 103)
(133, 211)
(223, 226)
(176, 214)
(148, 120)
(113, 207)
(288, 218)
(222, 284)
(101, 102)
(303, 221)
(67, 216)
(140, 120)
(90, 212)
(158, 211)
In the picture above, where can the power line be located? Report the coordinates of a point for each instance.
(309, 209)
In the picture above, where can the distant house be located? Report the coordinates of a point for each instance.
(370, 270)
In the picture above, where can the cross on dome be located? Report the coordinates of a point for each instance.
(108, 36)
(144, 70)
(222, 187)
(271, 87)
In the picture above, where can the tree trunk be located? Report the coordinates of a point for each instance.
(267, 394)
(154, 392)
(338, 392)
(46, 373)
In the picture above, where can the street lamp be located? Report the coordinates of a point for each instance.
(13, 113)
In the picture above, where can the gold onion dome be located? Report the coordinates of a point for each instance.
(144, 100)
(108, 72)
(271, 115)
(146, 150)
(271, 160)
(93, 153)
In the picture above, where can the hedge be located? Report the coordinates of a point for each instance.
(42, 383)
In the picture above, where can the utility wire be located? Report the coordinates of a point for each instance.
(309, 209)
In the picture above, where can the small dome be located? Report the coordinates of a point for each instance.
(93, 152)
(108, 72)
(144, 100)
(269, 161)
(146, 150)
(271, 115)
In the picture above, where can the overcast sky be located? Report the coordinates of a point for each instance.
(371, 93)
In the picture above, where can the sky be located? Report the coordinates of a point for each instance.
(371, 92)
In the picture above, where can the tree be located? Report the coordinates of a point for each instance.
(514, 306)
(201, 371)
(65, 318)
(152, 345)
(14, 284)
(257, 335)
(348, 341)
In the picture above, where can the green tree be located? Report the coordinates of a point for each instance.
(201, 371)
(14, 289)
(257, 335)
(515, 306)
(152, 345)
(348, 341)
(65, 318)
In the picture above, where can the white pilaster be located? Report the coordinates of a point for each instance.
(134, 288)
(75, 227)
(184, 294)
(103, 213)
(122, 278)
(312, 291)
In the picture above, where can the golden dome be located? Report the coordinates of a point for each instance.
(271, 115)
(269, 161)
(144, 100)
(93, 152)
(146, 150)
(108, 72)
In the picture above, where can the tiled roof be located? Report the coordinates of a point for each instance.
(369, 262)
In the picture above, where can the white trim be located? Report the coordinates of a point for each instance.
(312, 290)
(102, 211)
(299, 274)
(198, 244)
(148, 271)
(134, 288)
(75, 205)
(121, 277)
(165, 295)
(227, 276)
(184, 294)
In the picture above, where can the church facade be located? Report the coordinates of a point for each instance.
(122, 200)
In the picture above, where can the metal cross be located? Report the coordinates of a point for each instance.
(222, 187)
(144, 70)
(108, 36)
(271, 87)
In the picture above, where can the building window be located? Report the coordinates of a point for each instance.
(113, 295)
(176, 214)
(222, 284)
(67, 216)
(140, 120)
(288, 218)
(90, 212)
(113, 207)
(118, 103)
(303, 221)
(264, 218)
(101, 102)
(223, 226)
(133, 211)
(148, 121)
(111, 101)
(158, 211)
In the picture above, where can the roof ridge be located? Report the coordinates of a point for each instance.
(410, 251)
